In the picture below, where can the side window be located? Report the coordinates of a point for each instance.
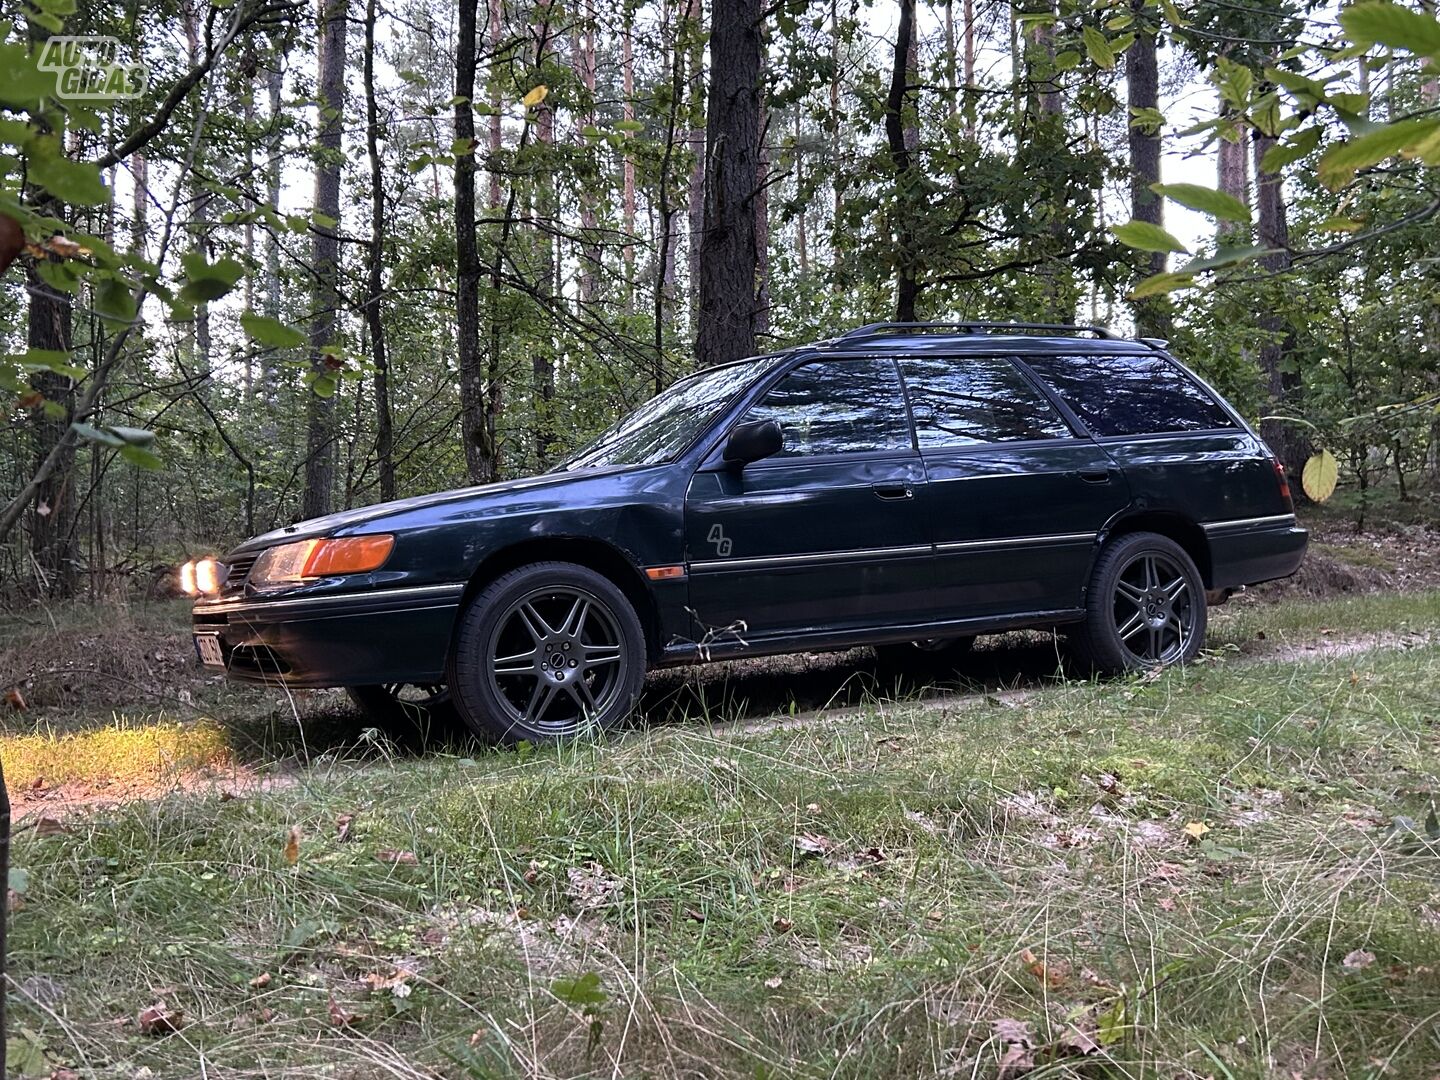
(838, 407)
(1130, 395)
(982, 399)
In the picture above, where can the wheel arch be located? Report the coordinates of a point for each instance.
(1171, 524)
(598, 555)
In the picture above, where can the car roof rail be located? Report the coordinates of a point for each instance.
(876, 328)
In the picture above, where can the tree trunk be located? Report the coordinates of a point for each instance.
(582, 49)
(1142, 80)
(324, 325)
(1233, 178)
(1288, 440)
(474, 425)
(374, 302)
(969, 11)
(274, 81)
(627, 108)
(695, 194)
(542, 359)
(728, 257)
(52, 517)
(898, 133)
(762, 217)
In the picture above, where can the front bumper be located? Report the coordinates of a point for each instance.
(345, 639)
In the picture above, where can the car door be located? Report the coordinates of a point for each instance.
(1016, 495)
(825, 535)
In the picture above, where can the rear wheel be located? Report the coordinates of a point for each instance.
(545, 652)
(413, 716)
(1145, 607)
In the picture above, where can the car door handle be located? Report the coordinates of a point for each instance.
(1093, 476)
(892, 492)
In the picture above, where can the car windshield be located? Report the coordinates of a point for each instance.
(669, 422)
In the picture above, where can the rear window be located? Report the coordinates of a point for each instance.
(1130, 395)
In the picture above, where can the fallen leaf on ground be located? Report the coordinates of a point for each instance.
(1167, 903)
(783, 925)
(48, 826)
(1196, 829)
(400, 858)
(292, 845)
(1077, 1043)
(774, 982)
(259, 982)
(15, 699)
(60, 1072)
(159, 1019)
(694, 915)
(342, 827)
(377, 981)
(1358, 960)
(338, 1016)
(1051, 974)
(813, 843)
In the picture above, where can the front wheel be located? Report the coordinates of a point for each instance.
(548, 651)
(1145, 607)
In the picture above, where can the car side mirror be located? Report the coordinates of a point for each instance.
(753, 441)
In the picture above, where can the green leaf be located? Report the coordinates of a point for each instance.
(114, 301)
(1290, 151)
(1147, 237)
(1393, 26)
(629, 125)
(1340, 224)
(97, 435)
(1320, 475)
(1147, 120)
(55, 360)
(141, 457)
(1339, 163)
(19, 880)
(133, 435)
(1098, 48)
(1234, 81)
(207, 281)
(1172, 14)
(1160, 284)
(264, 330)
(22, 83)
(583, 991)
(69, 181)
(1225, 256)
(1217, 204)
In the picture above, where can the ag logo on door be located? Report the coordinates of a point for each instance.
(722, 542)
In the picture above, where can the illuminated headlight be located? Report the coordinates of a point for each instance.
(203, 577)
(210, 575)
(290, 564)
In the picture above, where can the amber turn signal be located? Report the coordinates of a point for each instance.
(348, 555)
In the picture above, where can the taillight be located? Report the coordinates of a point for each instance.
(1284, 482)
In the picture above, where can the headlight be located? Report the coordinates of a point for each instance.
(203, 576)
(306, 559)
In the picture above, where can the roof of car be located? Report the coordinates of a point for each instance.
(963, 342)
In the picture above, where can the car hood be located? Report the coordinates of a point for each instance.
(351, 522)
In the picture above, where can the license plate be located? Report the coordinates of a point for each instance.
(208, 647)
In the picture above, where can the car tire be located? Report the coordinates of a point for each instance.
(928, 654)
(1144, 608)
(547, 652)
(414, 722)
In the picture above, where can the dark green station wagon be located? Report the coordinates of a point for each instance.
(903, 485)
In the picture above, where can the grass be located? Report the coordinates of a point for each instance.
(124, 750)
(902, 888)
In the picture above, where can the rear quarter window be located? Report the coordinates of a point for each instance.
(1130, 395)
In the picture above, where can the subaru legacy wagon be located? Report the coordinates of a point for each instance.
(902, 485)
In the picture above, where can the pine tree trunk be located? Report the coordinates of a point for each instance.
(542, 359)
(1284, 384)
(274, 81)
(900, 135)
(52, 515)
(474, 426)
(695, 140)
(325, 257)
(582, 50)
(728, 257)
(762, 219)
(627, 76)
(1142, 79)
(1233, 178)
(374, 302)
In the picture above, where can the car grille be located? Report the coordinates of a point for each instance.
(239, 570)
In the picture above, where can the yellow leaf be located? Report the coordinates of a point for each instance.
(535, 97)
(1320, 476)
(1196, 829)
